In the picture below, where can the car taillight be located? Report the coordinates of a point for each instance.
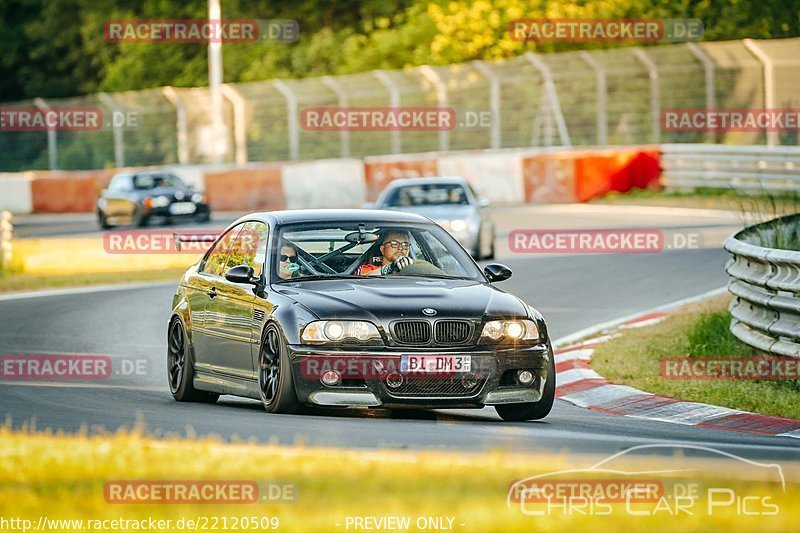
(148, 202)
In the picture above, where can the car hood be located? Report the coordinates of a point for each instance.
(164, 191)
(440, 212)
(384, 300)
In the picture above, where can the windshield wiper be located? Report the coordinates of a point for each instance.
(320, 277)
(435, 276)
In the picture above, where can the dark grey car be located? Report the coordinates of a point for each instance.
(275, 311)
(139, 198)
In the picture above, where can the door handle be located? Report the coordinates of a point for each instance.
(212, 293)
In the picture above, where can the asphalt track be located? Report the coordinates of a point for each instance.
(573, 292)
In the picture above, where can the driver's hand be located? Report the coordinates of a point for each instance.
(397, 265)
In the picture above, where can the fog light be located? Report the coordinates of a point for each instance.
(525, 377)
(330, 378)
(469, 381)
(394, 380)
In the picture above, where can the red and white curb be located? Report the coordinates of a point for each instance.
(579, 385)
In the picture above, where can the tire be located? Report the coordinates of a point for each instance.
(275, 381)
(102, 220)
(205, 217)
(479, 255)
(139, 220)
(180, 372)
(519, 412)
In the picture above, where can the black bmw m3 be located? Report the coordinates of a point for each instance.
(354, 308)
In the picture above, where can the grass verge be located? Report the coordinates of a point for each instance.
(63, 478)
(769, 206)
(698, 330)
(27, 282)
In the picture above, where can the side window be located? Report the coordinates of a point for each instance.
(216, 258)
(250, 248)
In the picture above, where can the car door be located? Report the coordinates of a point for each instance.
(231, 324)
(202, 294)
(116, 198)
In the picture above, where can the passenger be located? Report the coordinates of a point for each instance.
(394, 251)
(289, 267)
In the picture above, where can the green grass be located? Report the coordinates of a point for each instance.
(25, 282)
(766, 206)
(63, 477)
(699, 330)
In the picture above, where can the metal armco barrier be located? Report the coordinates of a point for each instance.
(6, 233)
(740, 168)
(766, 284)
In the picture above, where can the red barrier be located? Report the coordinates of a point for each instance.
(246, 189)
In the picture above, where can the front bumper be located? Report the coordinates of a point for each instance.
(493, 372)
(201, 210)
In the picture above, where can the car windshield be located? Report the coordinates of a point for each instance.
(427, 194)
(152, 181)
(334, 250)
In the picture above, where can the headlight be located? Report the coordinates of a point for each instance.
(458, 225)
(197, 198)
(159, 201)
(325, 331)
(510, 330)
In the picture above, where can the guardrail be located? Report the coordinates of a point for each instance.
(740, 168)
(766, 284)
(6, 233)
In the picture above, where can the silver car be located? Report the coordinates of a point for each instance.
(451, 202)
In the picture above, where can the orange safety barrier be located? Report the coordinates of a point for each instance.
(615, 170)
(246, 189)
(68, 192)
(379, 171)
(579, 176)
(549, 178)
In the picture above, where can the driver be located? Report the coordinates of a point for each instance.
(394, 251)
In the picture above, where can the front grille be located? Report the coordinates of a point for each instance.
(412, 332)
(453, 331)
(436, 386)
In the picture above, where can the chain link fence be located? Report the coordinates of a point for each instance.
(597, 98)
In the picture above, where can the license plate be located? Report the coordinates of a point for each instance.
(182, 208)
(435, 363)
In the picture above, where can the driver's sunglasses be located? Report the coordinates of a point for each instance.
(289, 258)
(405, 245)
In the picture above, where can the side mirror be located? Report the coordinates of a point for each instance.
(241, 274)
(484, 202)
(497, 272)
